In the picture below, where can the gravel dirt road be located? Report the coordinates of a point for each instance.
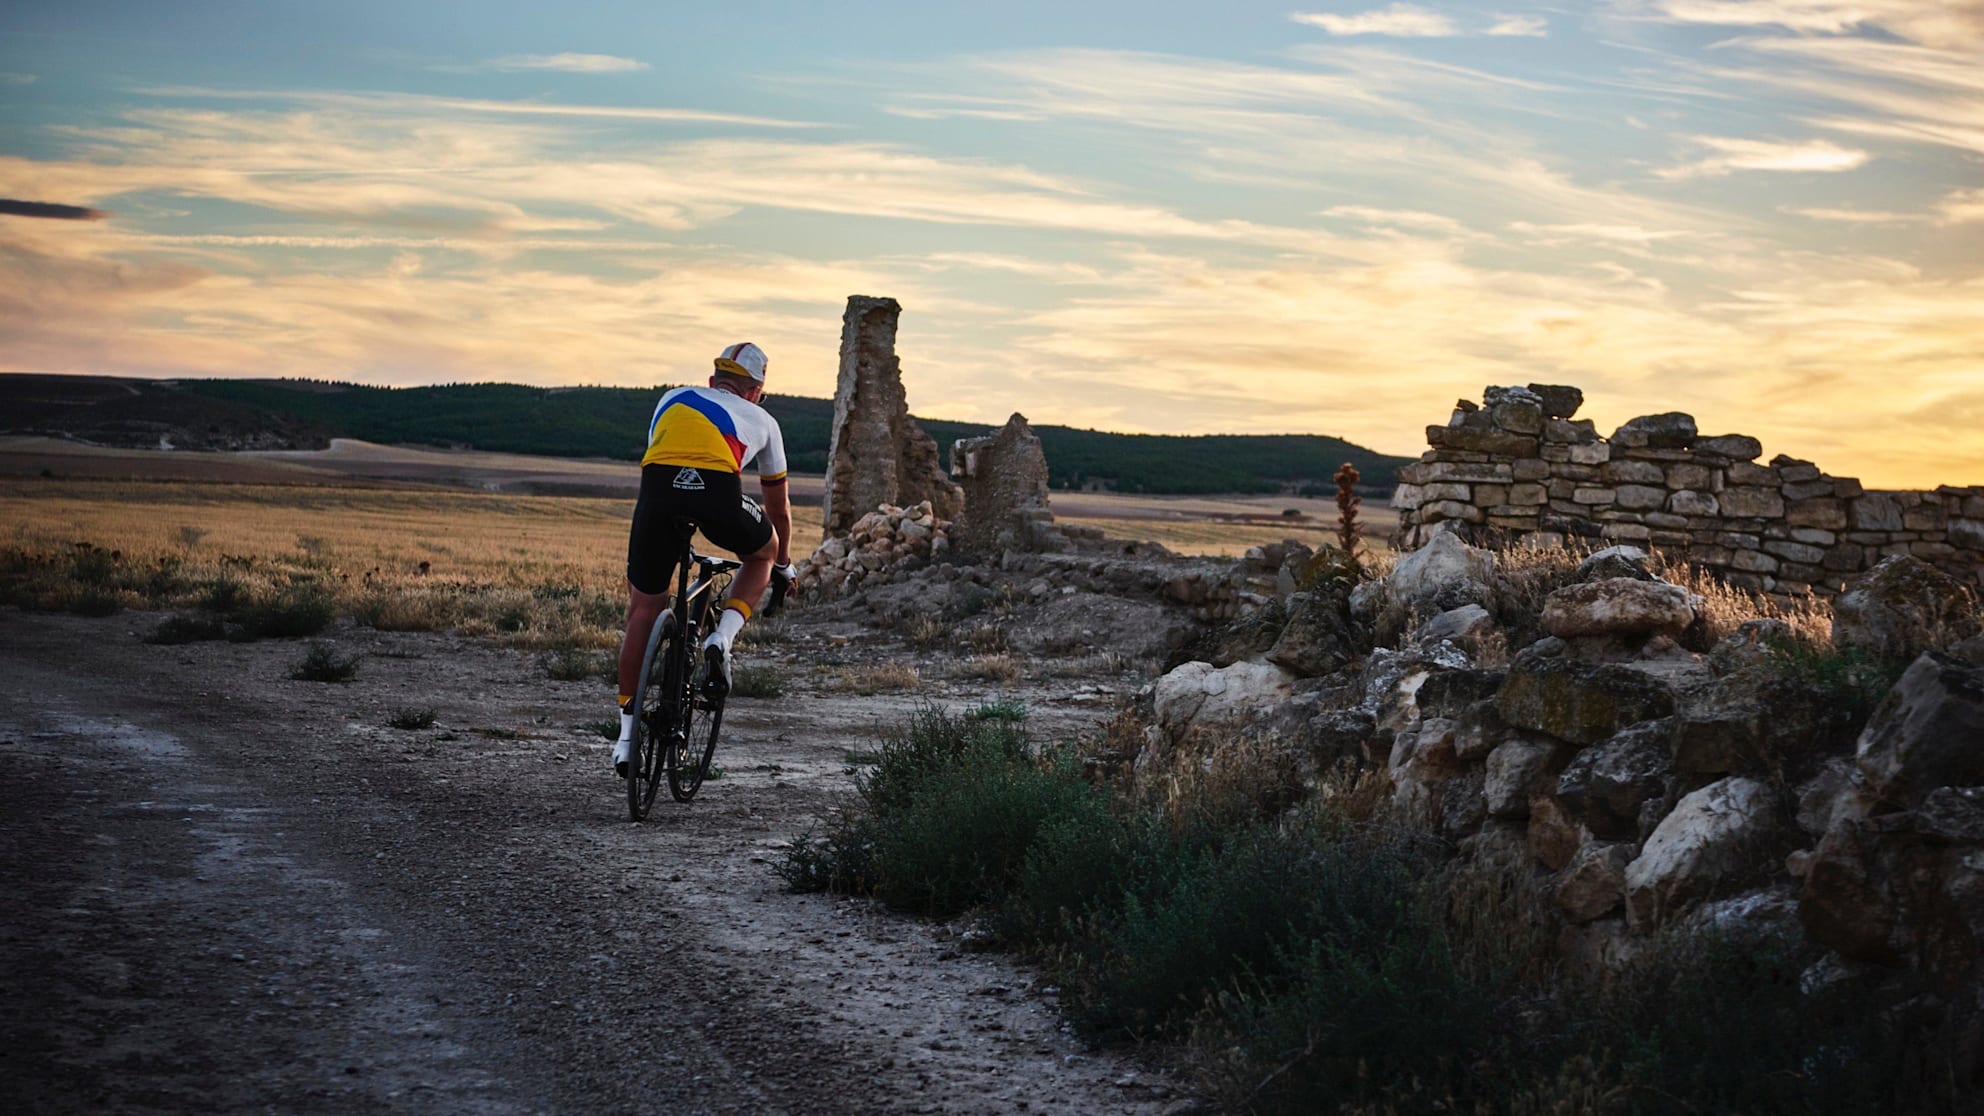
(222, 890)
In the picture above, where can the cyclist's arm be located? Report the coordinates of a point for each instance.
(771, 483)
(778, 511)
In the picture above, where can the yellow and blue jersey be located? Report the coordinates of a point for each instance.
(707, 428)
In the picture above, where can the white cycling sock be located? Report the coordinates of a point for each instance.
(626, 725)
(727, 627)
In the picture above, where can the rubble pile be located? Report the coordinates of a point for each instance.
(880, 546)
(1649, 781)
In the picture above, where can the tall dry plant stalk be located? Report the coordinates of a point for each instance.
(1348, 530)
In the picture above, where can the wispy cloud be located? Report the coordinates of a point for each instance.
(1857, 216)
(568, 63)
(385, 102)
(17, 79)
(1944, 23)
(50, 210)
(1733, 153)
(1407, 21)
(1961, 208)
(1526, 26)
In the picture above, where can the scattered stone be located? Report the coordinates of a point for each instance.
(1580, 702)
(1606, 786)
(1319, 637)
(1928, 733)
(1444, 573)
(1517, 769)
(1201, 695)
(1618, 606)
(1716, 838)
(1594, 884)
(1559, 401)
(1901, 608)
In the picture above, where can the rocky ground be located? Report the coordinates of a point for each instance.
(227, 890)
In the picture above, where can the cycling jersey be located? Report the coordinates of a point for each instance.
(707, 428)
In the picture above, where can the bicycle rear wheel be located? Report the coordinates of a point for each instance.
(655, 719)
(689, 763)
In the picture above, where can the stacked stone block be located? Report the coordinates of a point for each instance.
(1521, 465)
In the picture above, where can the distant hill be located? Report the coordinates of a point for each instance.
(607, 422)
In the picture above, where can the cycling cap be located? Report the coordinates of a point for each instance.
(743, 359)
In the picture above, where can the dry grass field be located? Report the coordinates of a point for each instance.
(405, 554)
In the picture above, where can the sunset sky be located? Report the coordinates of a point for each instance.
(1145, 216)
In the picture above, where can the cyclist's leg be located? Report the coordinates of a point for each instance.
(741, 528)
(643, 609)
(653, 544)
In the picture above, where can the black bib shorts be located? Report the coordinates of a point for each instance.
(711, 500)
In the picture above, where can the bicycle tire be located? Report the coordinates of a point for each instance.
(653, 722)
(702, 712)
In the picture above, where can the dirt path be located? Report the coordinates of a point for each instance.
(224, 890)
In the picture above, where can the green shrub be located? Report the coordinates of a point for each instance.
(966, 831)
(758, 681)
(322, 663)
(1000, 709)
(412, 718)
(300, 609)
(187, 628)
(93, 600)
(573, 665)
(931, 742)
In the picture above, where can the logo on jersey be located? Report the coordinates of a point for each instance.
(689, 480)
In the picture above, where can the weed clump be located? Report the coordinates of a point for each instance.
(758, 681)
(187, 628)
(322, 663)
(411, 718)
(572, 665)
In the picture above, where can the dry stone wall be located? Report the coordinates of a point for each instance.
(1520, 464)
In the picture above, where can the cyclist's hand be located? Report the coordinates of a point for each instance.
(783, 579)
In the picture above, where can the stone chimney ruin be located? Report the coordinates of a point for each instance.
(878, 455)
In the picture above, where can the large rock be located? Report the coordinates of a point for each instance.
(1618, 606)
(1754, 720)
(1579, 701)
(1558, 401)
(1901, 608)
(1615, 561)
(1594, 884)
(1605, 786)
(1516, 770)
(1004, 480)
(1445, 573)
(1927, 733)
(1200, 695)
(1672, 430)
(1846, 904)
(1716, 840)
(1318, 638)
(877, 454)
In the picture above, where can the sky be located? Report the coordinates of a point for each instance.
(1152, 216)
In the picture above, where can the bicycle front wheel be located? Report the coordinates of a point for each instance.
(702, 711)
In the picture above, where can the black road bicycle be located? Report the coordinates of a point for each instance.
(677, 713)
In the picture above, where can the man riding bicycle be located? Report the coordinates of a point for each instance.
(699, 441)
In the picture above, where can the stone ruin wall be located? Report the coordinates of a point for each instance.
(1521, 465)
(878, 455)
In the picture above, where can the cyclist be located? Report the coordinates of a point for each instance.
(699, 441)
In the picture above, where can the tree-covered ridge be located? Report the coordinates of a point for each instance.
(608, 422)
